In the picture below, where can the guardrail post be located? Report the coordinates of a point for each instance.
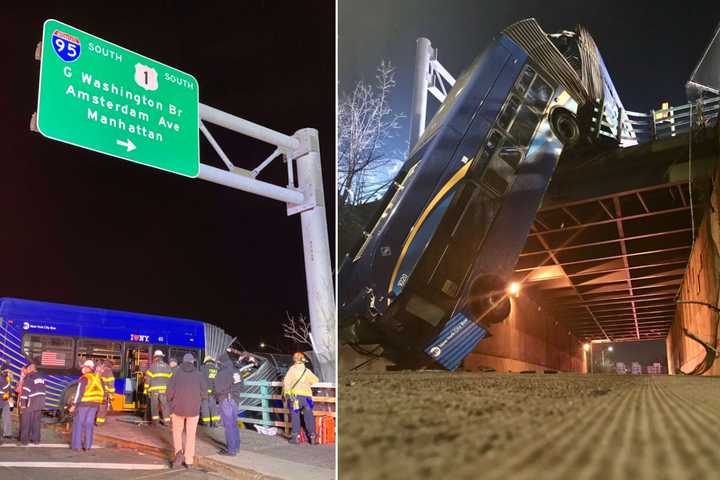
(653, 131)
(265, 402)
(620, 126)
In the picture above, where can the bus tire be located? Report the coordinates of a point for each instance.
(565, 126)
(489, 302)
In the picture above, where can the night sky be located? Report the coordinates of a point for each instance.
(650, 48)
(82, 228)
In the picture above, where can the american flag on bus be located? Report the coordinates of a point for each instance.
(53, 359)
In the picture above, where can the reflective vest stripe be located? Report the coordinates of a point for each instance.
(109, 383)
(94, 392)
(305, 392)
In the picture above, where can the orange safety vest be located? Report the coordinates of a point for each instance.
(94, 392)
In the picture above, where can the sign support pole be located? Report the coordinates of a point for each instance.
(423, 54)
(430, 77)
(316, 248)
(308, 199)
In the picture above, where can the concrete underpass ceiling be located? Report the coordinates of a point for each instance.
(609, 267)
(608, 249)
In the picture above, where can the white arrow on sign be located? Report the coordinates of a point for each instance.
(129, 145)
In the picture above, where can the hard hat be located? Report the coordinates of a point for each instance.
(89, 364)
(158, 353)
(209, 359)
(298, 357)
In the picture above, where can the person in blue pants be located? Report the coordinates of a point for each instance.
(87, 400)
(228, 384)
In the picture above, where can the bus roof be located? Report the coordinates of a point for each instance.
(47, 318)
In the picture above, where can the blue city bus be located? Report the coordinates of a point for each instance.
(61, 337)
(429, 278)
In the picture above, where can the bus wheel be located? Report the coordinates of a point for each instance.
(565, 126)
(488, 301)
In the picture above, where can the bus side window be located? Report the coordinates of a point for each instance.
(178, 353)
(524, 125)
(511, 155)
(54, 352)
(526, 77)
(539, 94)
(508, 112)
(96, 350)
(504, 157)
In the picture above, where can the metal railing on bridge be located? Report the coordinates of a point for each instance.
(272, 412)
(664, 122)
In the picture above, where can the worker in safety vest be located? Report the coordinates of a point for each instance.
(156, 381)
(107, 377)
(209, 414)
(32, 402)
(88, 397)
(298, 395)
(6, 400)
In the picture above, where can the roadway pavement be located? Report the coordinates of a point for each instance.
(261, 456)
(53, 459)
(424, 425)
(127, 451)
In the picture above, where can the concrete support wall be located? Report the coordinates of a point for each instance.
(529, 339)
(701, 284)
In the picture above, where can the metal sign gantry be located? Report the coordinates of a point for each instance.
(430, 76)
(303, 194)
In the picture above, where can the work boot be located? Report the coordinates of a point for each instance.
(295, 439)
(314, 439)
(179, 459)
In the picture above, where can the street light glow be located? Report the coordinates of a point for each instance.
(586, 347)
(262, 344)
(514, 289)
(610, 348)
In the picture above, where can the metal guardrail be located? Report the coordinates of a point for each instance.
(668, 122)
(272, 411)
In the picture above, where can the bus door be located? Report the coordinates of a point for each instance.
(137, 361)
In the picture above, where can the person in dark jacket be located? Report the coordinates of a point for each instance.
(186, 390)
(32, 402)
(228, 385)
(88, 397)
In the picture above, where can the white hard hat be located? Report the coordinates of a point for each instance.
(209, 359)
(158, 353)
(89, 363)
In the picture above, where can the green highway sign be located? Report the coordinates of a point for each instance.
(97, 95)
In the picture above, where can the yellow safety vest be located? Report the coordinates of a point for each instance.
(94, 392)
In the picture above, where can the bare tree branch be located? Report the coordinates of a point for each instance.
(297, 329)
(366, 123)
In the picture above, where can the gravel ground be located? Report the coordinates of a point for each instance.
(427, 425)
